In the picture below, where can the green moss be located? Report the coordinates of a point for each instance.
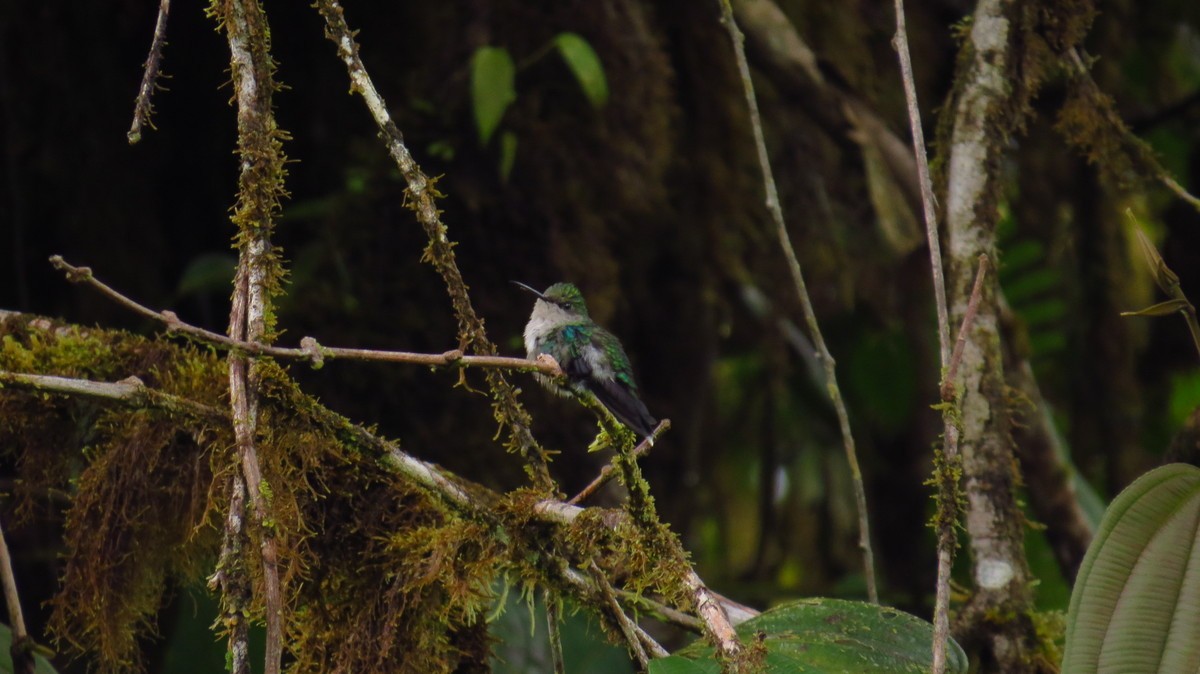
(378, 573)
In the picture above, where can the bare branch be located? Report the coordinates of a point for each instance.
(143, 108)
(928, 201)
(961, 341)
(310, 349)
(606, 473)
(627, 627)
(21, 648)
(810, 317)
(984, 114)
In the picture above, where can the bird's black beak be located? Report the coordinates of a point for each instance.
(539, 294)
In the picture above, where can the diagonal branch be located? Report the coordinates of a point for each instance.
(1139, 155)
(421, 195)
(142, 107)
(810, 317)
(606, 473)
(779, 50)
(21, 648)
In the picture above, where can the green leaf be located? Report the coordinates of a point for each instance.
(211, 272)
(1136, 604)
(1184, 397)
(1163, 276)
(508, 153)
(1032, 283)
(1043, 312)
(1019, 256)
(493, 88)
(818, 636)
(586, 66)
(1161, 309)
(40, 664)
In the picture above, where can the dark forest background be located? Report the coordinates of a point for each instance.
(652, 204)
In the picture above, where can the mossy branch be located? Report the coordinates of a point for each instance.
(252, 317)
(325, 446)
(1089, 121)
(421, 198)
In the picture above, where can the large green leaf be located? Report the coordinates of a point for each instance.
(1136, 604)
(493, 88)
(827, 636)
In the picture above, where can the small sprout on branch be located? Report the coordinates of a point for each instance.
(1169, 282)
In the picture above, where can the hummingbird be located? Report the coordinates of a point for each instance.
(590, 356)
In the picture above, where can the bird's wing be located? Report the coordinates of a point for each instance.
(615, 390)
(623, 403)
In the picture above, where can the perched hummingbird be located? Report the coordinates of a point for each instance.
(589, 355)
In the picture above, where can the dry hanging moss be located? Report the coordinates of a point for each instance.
(379, 576)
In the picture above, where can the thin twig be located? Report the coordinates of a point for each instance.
(661, 611)
(640, 507)
(583, 586)
(810, 317)
(309, 350)
(627, 627)
(960, 342)
(928, 201)
(947, 540)
(606, 473)
(21, 648)
(142, 107)
(553, 635)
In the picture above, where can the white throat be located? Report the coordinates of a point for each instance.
(546, 317)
